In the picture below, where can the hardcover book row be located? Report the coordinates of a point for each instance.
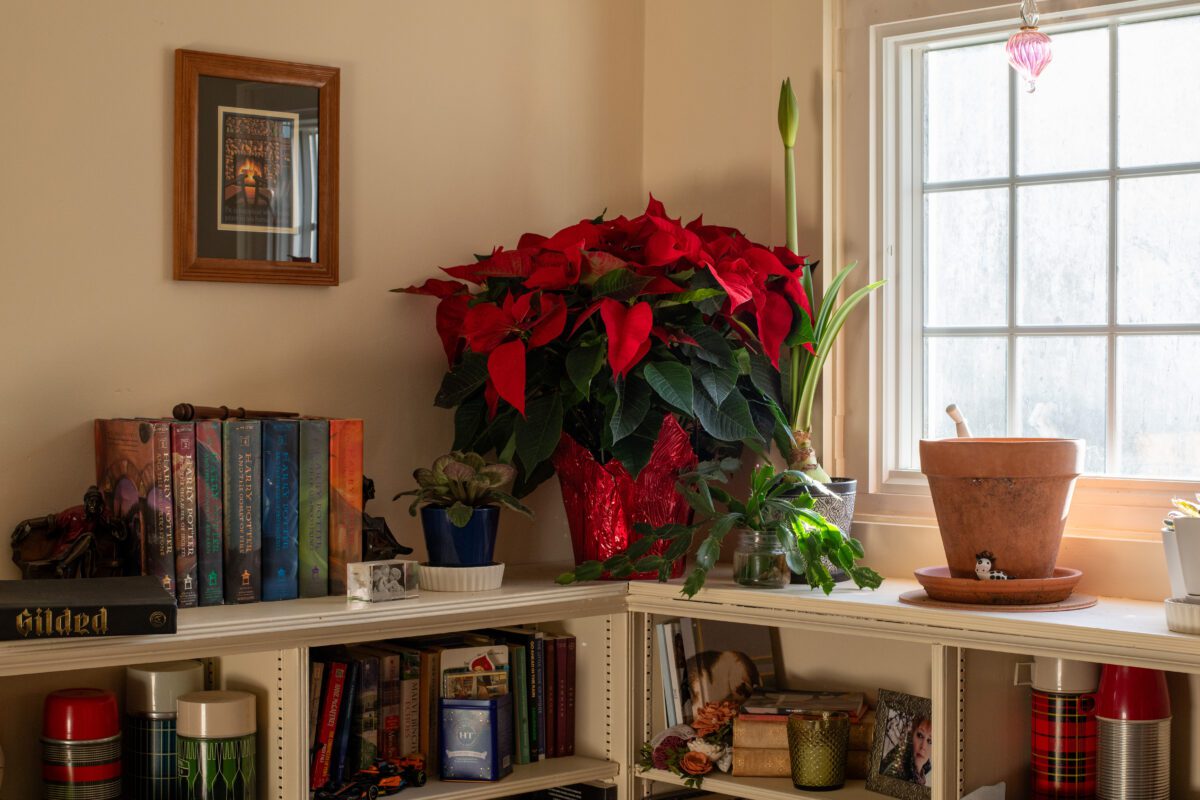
(385, 700)
(237, 511)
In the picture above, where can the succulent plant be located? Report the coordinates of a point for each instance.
(461, 482)
(1184, 508)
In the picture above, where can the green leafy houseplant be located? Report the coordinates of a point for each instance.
(778, 503)
(801, 369)
(460, 483)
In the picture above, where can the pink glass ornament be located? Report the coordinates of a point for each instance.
(1029, 49)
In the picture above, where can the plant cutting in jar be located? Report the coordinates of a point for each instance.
(777, 504)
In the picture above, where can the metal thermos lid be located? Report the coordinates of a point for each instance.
(216, 715)
(154, 688)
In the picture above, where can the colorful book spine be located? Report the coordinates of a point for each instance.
(183, 474)
(210, 523)
(520, 690)
(160, 559)
(365, 733)
(410, 702)
(345, 499)
(551, 668)
(539, 669)
(316, 682)
(243, 510)
(314, 508)
(331, 710)
(569, 699)
(281, 508)
(345, 725)
(389, 705)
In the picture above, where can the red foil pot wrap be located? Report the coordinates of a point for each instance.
(604, 502)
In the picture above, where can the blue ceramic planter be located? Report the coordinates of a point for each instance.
(469, 546)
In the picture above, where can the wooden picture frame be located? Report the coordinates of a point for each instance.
(896, 768)
(254, 118)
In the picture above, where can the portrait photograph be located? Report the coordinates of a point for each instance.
(901, 756)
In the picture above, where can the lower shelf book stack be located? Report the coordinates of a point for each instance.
(760, 740)
(468, 706)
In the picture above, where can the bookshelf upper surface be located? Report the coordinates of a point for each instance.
(1114, 630)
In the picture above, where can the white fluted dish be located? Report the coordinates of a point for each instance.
(460, 579)
(1183, 616)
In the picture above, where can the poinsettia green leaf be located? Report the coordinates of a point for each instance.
(672, 382)
(582, 365)
(729, 422)
(718, 381)
(765, 378)
(633, 401)
(802, 331)
(635, 450)
(620, 284)
(690, 296)
(540, 429)
(466, 378)
(529, 479)
(710, 345)
(469, 419)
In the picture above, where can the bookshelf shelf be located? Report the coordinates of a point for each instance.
(763, 788)
(525, 778)
(847, 638)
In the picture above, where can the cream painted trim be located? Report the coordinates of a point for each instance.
(1104, 507)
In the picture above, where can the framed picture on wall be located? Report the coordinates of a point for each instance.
(900, 762)
(256, 170)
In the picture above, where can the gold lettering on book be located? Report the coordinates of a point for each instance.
(62, 623)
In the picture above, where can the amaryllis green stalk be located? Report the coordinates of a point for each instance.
(804, 368)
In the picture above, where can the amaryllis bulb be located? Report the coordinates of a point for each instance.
(1029, 53)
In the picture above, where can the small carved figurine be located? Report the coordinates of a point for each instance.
(80, 542)
(985, 567)
(379, 544)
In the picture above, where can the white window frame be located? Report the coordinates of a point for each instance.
(1103, 505)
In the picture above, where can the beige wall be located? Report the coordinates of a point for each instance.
(713, 69)
(464, 123)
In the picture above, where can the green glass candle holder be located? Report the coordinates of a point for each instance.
(817, 743)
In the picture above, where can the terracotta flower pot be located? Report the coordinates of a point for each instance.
(1008, 497)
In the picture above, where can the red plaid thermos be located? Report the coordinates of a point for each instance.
(81, 745)
(1065, 741)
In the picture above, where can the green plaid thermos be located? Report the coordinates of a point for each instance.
(151, 691)
(216, 746)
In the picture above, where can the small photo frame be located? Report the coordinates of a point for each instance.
(901, 754)
(256, 170)
(378, 581)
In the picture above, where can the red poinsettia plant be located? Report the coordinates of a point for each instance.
(606, 327)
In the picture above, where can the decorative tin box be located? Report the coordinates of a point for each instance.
(381, 580)
(477, 739)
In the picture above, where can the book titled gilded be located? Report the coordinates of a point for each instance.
(85, 608)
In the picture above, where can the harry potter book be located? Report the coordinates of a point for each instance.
(133, 472)
(210, 523)
(314, 508)
(345, 499)
(183, 473)
(85, 609)
(242, 452)
(281, 485)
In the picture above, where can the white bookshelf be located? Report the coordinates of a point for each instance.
(961, 659)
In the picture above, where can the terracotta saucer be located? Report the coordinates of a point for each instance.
(1022, 591)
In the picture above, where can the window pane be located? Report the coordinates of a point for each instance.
(1061, 390)
(1063, 126)
(970, 372)
(1159, 94)
(966, 258)
(1062, 254)
(966, 113)
(1158, 249)
(1159, 406)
